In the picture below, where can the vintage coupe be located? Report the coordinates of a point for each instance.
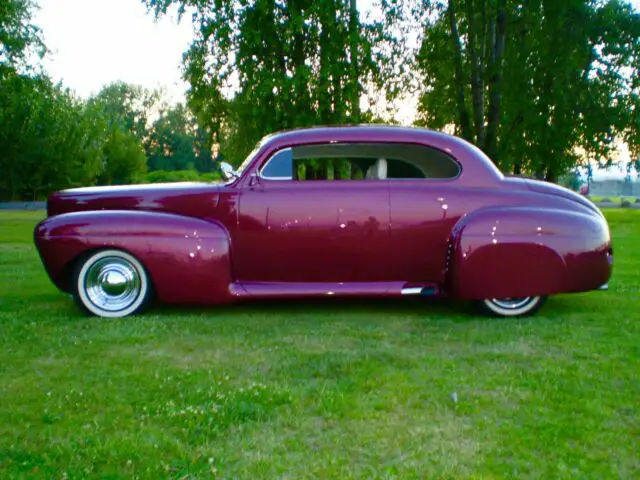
(331, 211)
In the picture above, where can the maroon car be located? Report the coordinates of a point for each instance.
(333, 211)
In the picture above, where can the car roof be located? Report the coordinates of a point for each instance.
(476, 166)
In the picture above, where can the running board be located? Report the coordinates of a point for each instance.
(323, 289)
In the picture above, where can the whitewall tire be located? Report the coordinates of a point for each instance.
(511, 307)
(111, 284)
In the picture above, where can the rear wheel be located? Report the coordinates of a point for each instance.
(511, 306)
(111, 284)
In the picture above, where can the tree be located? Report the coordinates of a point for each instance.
(530, 82)
(47, 138)
(129, 106)
(125, 161)
(18, 36)
(178, 143)
(261, 66)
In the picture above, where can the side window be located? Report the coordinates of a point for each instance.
(408, 161)
(360, 161)
(314, 168)
(337, 162)
(399, 169)
(279, 167)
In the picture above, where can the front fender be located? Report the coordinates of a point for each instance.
(188, 259)
(523, 251)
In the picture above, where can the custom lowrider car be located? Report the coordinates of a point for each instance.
(331, 211)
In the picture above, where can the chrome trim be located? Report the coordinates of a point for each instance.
(274, 178)
(412, 291)
(511, 303)
(112, 284)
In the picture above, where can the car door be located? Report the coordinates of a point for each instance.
(311, 229)
(424, 209)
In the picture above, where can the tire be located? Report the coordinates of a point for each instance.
(511, 307)
(111, 284)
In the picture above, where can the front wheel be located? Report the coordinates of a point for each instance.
(511, 306)
(111, 284)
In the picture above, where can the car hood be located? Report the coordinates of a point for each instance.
(186, 198)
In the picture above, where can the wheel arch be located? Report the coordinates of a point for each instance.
(187, 259)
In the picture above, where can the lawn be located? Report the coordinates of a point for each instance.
(319, 390)
(613, 199)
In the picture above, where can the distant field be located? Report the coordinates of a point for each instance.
(612, 198)
(319, 390)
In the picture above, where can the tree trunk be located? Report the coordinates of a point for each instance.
(477, 84)
(517, 167)
(354, 36)
(495, 84)
(302, 97)
(463, 114)
(324, 94)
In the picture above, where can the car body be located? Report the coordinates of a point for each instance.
(330, 211)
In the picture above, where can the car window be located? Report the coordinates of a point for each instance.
(318, 168)
(400, 169)
(279, 167)
(358, 161)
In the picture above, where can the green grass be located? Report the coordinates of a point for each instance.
(612, 198)
(318, 389)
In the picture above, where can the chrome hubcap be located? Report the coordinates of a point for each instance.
(511, 303)
(112, 284)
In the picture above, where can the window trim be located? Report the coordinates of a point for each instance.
(356, 143)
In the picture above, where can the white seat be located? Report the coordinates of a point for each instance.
(378, 171)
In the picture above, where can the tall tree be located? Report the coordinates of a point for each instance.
(354, 44)
(178, 143)
(261, 66)
(531, 82)
(48, 139)
(18, 36)
(125, 161)
(129, 106)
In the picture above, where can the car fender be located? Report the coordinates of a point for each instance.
(188, 259)
(500, 252)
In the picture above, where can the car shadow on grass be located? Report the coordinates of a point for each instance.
(328, 308)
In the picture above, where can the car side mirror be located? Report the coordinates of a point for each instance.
(228, 172)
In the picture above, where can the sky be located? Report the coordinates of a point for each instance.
(96, 42)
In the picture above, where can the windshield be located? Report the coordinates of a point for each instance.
(249, 158)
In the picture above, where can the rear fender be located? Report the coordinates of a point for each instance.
(524, 251)
(188, 259)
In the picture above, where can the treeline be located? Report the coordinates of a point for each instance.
(541, 86)
(50, 139)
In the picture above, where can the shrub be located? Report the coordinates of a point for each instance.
(168, 176)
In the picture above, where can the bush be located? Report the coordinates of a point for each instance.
(168, 176)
